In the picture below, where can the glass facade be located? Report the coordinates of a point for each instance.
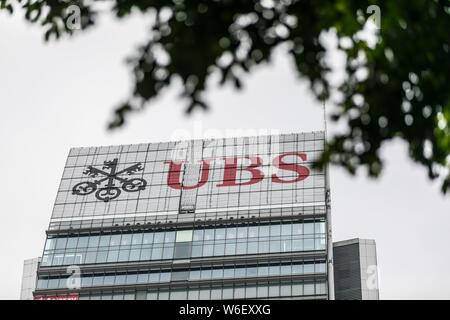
(276, 237)
(212, 219)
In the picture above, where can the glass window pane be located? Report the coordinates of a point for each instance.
(274, 290)
(193, 294)
(286, 229)
(242, 232)
(178, 295)
(123, 255)
(285, 290)
(297, 289)
(156, 253)
(135, 254)
(252, 247)
(131, 278)
(231, 233)
(263, 290)
(104, 241)
(101, 256)
(184, 236)
(72, 242)
(230, 249)
(309, 244)
(216, 294)
(297, 229)
(239, 292)
(83, 242)
(168, 253)
(220, 234)
(241, 248)
(169, 237)
(308, 267)
(158, 237)
(208, 250)
(253, 232)
(309, 228)
(137, 238)
(204, 294)
(263, 247)
(115, 240)
(93, 241)
(148, 238)
(198, 235)
(113, 256)
(209, 234)
(264, 231)
(126, 239)
(227, 293)
(61, 243)
(308, 288)
(194, 275)
(275, 230)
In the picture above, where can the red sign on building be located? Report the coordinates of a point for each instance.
(58, 297)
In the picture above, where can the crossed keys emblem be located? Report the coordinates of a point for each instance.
(110, 191)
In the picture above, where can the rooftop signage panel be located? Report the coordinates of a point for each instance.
(190, 176)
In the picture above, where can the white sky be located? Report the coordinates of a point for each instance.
(60, 95)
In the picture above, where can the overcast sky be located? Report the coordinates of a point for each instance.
(60, 95)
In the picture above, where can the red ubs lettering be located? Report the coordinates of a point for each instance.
(231, 169)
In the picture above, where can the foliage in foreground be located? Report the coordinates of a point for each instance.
(397, 88)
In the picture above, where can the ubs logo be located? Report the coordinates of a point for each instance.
(110, 190)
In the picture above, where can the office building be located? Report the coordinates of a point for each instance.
(226, 218)
(355, 270)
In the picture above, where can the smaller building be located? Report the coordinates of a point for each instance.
(355, 270)
(29, 278)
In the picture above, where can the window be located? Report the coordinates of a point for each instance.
(152, 294)
(182, 250)
(125, 240)
(184, 236)
(241, 248)
(209, 234)
(308, 267)
(231, 233)
(250, 291)
(104, 240)
(180, 275)
(242, 232)
(220, 234)
(158, 237)
(263, 247)
(264, 231)
(297, 289)
(137, 238)
(239, 292)
(253, 232)
(275, 230)
(285, 289)
(204, 294)
(321, 288)
(297, 229)
(178, 294)
(216, 293)
(230, 249)
(72, 243)
(61, 243)
(308, 288)
(113, 255)
(217, 273)
(193, 294)
(227, 293)
(148, 238)
(274, 290)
